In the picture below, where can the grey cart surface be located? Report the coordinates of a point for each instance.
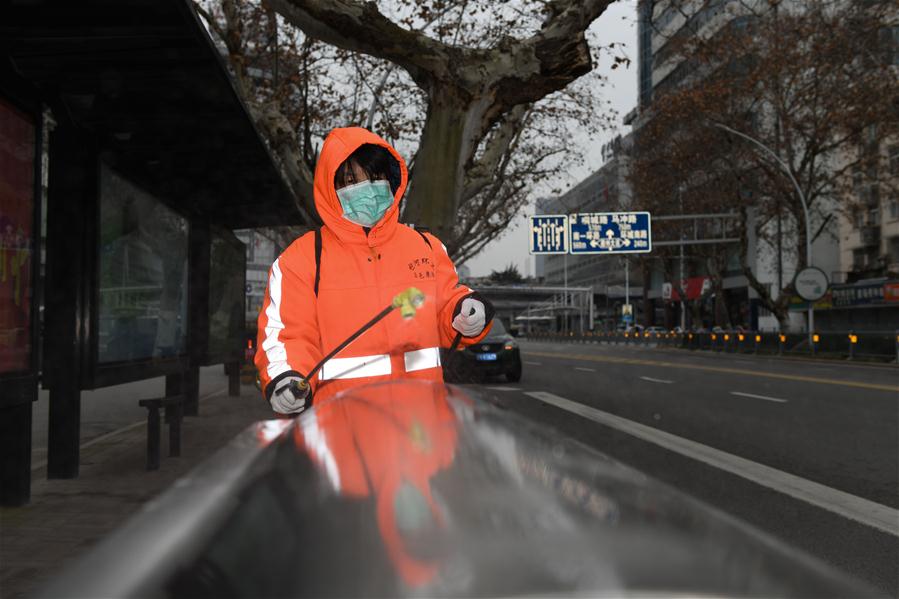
(421, 490)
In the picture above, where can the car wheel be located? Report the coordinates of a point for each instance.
(513, 375)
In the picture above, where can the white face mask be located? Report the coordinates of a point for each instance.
(366, 202)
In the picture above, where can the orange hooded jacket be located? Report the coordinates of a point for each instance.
(359, 275)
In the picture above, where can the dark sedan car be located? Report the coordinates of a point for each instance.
(496, 354)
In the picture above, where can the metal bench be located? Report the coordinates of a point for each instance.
(173, 413)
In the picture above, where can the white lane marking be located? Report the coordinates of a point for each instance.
(503, 388)
(585, 369)
(652, 380)
(855, 508)
(533, 363)
(119, 431)
(753, 396)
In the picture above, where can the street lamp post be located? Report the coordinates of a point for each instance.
(682, 291)
(808, 239)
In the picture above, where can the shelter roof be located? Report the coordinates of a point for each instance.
(146, 81)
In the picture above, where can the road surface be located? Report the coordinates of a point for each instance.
(808, 451)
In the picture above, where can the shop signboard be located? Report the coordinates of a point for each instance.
(858, 294)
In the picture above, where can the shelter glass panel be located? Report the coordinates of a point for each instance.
(227, 296)
(143, 274)
(17, 163)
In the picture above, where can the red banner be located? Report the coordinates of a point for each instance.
(694, 287)
(17, 135)
(891, 291)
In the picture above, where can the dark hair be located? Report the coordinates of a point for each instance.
(377, 163)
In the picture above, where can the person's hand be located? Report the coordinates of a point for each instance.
(291, 395)
(472, 317)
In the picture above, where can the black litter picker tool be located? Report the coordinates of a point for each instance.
(408, 301)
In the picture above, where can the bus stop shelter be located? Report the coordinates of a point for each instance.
(126, 160)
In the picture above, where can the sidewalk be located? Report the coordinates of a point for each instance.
(66, 517)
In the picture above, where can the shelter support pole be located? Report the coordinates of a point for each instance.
(198, 315)
(72, 206)
(15, 442)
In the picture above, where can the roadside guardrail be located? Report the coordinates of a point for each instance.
(850, 345)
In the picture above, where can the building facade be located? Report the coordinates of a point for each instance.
(852, 249)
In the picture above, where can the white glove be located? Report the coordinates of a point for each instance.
(471, 319)
(285, 400)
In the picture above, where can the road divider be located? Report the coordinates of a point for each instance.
(894, 389)
(858, 509)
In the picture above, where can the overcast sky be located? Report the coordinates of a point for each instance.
(617, 24)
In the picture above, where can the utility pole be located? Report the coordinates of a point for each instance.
(627, 287)
(565, 296)
(682, 288)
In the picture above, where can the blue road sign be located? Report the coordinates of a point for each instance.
(610, 233)
(549, 234)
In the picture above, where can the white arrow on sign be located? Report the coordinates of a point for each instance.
(610, 234)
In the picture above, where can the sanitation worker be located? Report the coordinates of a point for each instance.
(333, 280)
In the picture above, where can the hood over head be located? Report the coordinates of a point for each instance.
(338, 146)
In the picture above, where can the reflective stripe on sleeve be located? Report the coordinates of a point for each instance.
(422, 359)
(318, 444)
(274, 349)
(354, 368)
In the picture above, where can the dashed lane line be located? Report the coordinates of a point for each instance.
(652, 380)
(585, 369)
(754, 396)
(859, 509)
(754, 373)
(533, 363)
(504, 388)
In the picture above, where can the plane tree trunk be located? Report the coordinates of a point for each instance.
(469, 91)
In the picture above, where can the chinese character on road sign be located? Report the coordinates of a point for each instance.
(549, 234)
(610, 233)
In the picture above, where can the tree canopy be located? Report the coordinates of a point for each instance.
(482, 99)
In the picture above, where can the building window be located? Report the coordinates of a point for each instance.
(889, 40)
(894, 249)
(894, 209)
(857, 178)
(894, 160)
(871, 196)
(873, 216)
